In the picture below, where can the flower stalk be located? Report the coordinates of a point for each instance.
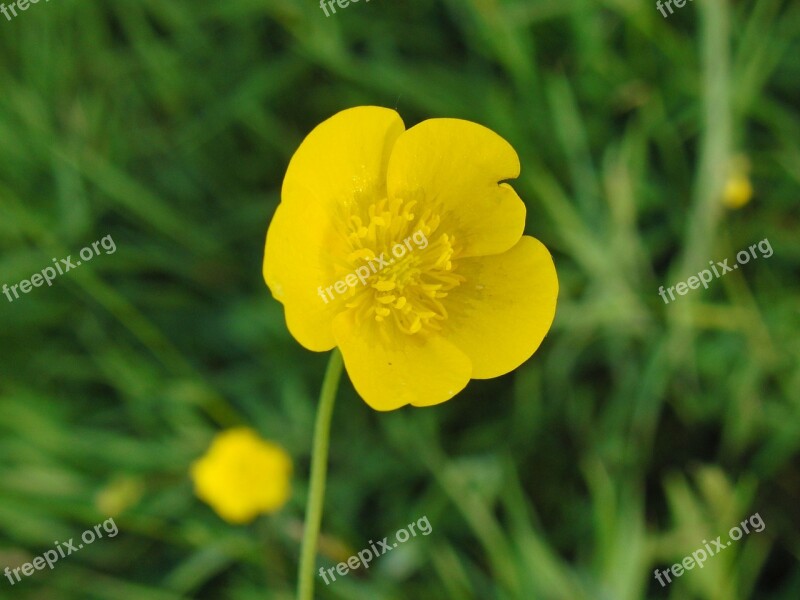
(319, 471)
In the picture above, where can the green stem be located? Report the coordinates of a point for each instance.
(319, 469)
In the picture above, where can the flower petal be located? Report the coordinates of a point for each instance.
(294, 267)
(501, 314)
(345, 154)
(343, 160)
(406, 369)
(454, 166)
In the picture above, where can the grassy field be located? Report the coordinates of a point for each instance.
(637, 433)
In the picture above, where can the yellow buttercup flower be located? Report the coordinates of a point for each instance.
(402, 248)
(241, 475)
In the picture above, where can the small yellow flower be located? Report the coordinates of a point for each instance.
(403, 249)
(738, 189)
(241, 475)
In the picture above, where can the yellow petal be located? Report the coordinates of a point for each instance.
(344, 155)
(406, 369)
(501, 314)
(454, 167)
(343, 160)
(294, 272)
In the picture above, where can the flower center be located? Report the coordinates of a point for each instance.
(407, 265)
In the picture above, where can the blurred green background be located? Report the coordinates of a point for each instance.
(637, 430)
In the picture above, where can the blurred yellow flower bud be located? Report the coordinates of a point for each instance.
(119, 495)
(738, 189)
